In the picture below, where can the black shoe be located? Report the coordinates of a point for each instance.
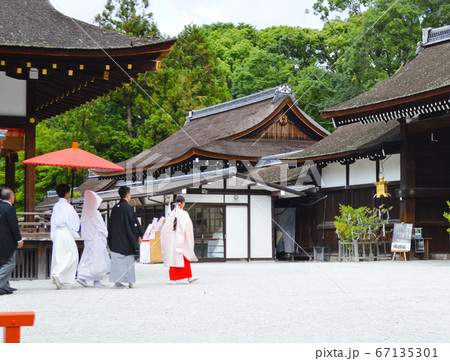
(5, 292)
(12, 289)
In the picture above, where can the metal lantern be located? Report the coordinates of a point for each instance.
(382, 188)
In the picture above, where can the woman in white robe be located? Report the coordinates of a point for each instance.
(95, 261)
(65, 225)
(177, 244)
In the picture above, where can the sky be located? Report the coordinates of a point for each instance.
(172, 15)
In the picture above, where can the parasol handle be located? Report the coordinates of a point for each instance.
(73, 183)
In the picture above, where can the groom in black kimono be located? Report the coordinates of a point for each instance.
(124, 238)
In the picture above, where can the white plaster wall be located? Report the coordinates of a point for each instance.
(363, 171)
(214, 185)
(236, 183)
(391, 167)
(13, 96)
(203, 198)
(240, 198)
(260, 227)
(333, 175)
(236, 231)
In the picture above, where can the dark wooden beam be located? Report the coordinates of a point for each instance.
(13, 122)
(408, 174)
(30, 170)
(427, 125)
(423, 192)
(10, 171)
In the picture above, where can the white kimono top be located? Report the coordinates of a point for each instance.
(64, 216)
(178, 243)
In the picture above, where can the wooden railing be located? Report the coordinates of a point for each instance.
(34, 258)
(34, 225)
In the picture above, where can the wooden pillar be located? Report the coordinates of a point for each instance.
(30, 170)
(408, 174)
(30, 149)
(42, 271)
(10, 171)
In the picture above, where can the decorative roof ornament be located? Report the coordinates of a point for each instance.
(433, 36)
(282, 91)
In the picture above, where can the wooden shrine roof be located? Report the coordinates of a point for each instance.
(347, 140)
(215, 135)
(425, 78)
(37, 24)
(68, 62)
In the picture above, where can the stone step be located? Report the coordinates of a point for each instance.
(440, 256)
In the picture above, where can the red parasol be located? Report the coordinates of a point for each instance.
(73, 158)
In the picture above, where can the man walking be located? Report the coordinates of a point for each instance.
(124, 238)
(64, 227)
(10, 239)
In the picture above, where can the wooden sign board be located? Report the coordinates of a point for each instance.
(401, 239)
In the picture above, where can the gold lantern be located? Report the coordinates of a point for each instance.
(382, 187)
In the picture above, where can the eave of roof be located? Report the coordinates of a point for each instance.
(170, 185)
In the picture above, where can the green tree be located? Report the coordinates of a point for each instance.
(130, 17)
(260, 71)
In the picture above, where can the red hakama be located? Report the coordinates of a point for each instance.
(180, 273)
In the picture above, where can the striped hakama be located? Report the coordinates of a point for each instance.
(122, 268)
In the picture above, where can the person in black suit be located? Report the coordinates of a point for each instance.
(10, 239)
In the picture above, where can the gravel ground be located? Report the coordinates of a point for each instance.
(249, 302)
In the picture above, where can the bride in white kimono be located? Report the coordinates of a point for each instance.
(95, 261)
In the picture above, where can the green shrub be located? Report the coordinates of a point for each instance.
(361, 224)
(447, 215)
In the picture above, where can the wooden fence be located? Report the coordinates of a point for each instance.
(371, 251)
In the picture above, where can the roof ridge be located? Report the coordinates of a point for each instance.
(276, 93)
(432, 36)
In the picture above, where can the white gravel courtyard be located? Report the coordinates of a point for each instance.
(249, 302)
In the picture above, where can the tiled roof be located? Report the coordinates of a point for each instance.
(348, 138)
(36, 23)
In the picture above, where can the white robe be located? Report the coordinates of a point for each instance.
(65, 224)
(179, 243)
(95, 262)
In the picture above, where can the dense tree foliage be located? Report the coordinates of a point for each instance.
(361, 43)
(129, 17)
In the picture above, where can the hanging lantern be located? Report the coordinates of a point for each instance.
(382, 188)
